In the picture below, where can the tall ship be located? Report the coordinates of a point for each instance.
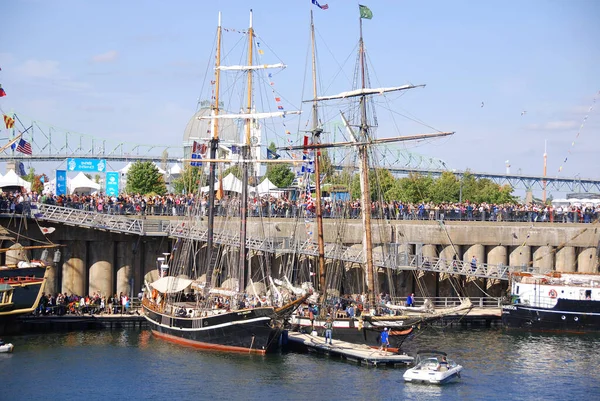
(204, 298)
(558, 302)
(359, 122)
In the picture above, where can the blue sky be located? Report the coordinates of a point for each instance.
(134, 70)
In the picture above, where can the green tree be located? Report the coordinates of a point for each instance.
(144, 178)
(381, 184)
(280, 175)
(445, 188)
(415, 188)
(236, 170)
(36, 183)
(190, 180)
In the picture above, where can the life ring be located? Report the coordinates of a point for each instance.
(553, 294)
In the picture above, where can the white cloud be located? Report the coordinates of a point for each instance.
(107, 57)
(554, 125)
(39, 68)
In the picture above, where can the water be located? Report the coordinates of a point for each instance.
(131, 364)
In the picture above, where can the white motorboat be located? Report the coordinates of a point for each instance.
(433, 367)
(6, 347)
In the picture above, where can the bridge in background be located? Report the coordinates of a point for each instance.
(52, 144)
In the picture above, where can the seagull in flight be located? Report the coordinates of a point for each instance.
(524, 112)
(481, 104)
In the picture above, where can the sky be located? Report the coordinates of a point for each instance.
(508, 77)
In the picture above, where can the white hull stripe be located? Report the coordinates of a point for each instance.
(560, 312)
(217, 326)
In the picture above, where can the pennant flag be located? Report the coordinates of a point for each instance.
(47, 230)
(219, 194)
(235, 150)
(9, 122)
(195, 147)
(322, 7)
(261, 51)
(272, 155)
(280, 107)
(2, 92)
(365, 12)
(278, 99)
(24, 147)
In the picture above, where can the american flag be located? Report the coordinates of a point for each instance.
(24, 147)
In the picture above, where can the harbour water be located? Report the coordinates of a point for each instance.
(131, 364)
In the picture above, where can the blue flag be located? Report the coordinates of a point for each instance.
(322, 7)
(272, 155)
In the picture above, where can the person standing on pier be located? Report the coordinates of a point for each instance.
(385, 340)
(328, 330)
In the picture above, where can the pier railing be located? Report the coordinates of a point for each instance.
(389, 258)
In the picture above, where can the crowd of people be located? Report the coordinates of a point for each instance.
(62, 304)
(286, 207)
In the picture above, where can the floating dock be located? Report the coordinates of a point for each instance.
(359, 353)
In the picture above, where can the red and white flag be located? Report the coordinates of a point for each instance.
(47, 230)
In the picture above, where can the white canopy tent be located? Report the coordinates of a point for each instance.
(266, 187)
(175, 170)
(230, 183)
(82, 184)
(11, 179)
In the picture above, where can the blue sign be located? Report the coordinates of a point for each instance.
(112, 183)
(89, 165)
(61, 182)
(198, 157)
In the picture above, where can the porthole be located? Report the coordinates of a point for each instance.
(576, 318)
(563, 317)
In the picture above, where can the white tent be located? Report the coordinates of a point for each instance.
(125, 169)
(160, 170)
(82, 184)
(175, 170)
(11, 179)
(230, 183)
(266, 186)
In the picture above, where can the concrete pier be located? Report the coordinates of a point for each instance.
(97, 260)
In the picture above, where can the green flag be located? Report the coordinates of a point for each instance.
(365, 12)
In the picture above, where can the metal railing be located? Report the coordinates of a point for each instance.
(194, 230)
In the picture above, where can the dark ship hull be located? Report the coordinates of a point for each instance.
(248, 331)
(566, 316)
(27, 286)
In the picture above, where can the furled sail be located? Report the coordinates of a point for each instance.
(250, 115)
(366, 91)
(249, 67)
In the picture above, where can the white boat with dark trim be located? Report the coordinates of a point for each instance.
(433, 367)
(6, 347)
(561, 302)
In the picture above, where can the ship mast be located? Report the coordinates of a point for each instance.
(365, 192)
(316, 139)
(243, 261)
(214, 145)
